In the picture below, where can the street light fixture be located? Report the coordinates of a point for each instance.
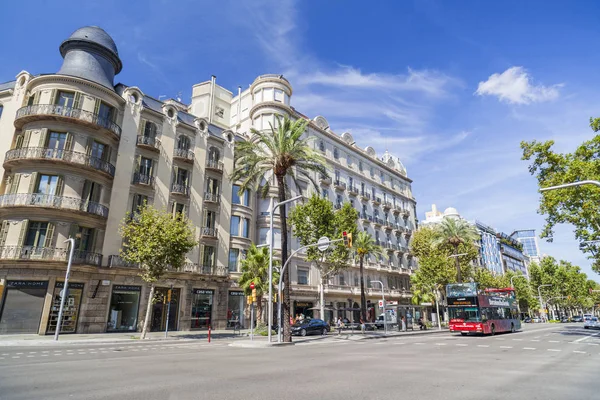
(272, 208)
(572, 184)
(65, 290)
(540, 296)
(384, 311)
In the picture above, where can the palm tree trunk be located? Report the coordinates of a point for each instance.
(363, 298)
(259, 309)
(287, 333)
(148, 312)
(458, 273)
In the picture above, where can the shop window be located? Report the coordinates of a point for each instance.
(70, 310)
(235, 310)
(202, 301)
(22, 307)
(124, 305)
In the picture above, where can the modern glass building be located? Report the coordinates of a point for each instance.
(489, 249)
(529, 241)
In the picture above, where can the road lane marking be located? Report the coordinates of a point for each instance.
(554, 350)
(44, 355)
(528, 348)
(579, 352)
(1, 358)
(534, 340)
(18, 353)
(4, 354)
(440, 344)
(586, 337)
(16, 357)
(32, 352)
(506, 347)
(30, 356)
(483, 345)
(553, 341)
(93, 352)
(45, 351)
(461, 344)
(418, 343)
(518, 340)
(399, 343)
(592, 344)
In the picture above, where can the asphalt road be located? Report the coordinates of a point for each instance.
(543, 362)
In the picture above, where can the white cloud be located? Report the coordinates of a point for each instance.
(516, 86)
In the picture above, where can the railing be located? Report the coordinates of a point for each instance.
(378, 221)
(340, 185)
(143, 179)
(215, 165)
(387, 204)
(186, 154)
(353, 190)
(49, 254)
(180, 188)
(206, 231)
(403, 249)
(51, 201)
(325, 179)
(115, 261)
(57, 110)
(212, 197)
(148, 141)
(389, 225)
(366, 195)
(366, 216)
(74, 157)
(377, 200)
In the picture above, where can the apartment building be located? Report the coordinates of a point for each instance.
(81, 153)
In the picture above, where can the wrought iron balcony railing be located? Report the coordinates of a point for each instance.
(49, 254)
(51, 201)
(74, 157)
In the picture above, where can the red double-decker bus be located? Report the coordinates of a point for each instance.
(485, 312)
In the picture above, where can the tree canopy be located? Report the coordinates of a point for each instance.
(454, 232)
(255, 269)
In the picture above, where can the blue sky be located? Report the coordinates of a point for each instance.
(450, 87)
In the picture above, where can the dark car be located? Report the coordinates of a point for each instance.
(310, 327)
(578, 318)
(528, 320)
(564, 320)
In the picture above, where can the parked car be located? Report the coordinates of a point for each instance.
(310, 327)
(592, 323)
(537, 320)
(391, 321)
(564, 320)
(528, 320)
(587, 317)
(578, 318)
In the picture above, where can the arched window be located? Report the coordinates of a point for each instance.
(213, 154)
(183, 143)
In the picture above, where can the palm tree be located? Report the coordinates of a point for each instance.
(454, 232)
(255, 269)
(272, 155)
(365, 247)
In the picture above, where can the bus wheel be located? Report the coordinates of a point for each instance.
(464, 333)
(493, 330)
(512, 328)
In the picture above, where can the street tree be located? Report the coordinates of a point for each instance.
(255, 269)
(157, 242)
(455, 232)
(316, 218)
(365, 247)
(578, 205)
(274, 158)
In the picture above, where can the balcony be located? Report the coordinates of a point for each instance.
(325, 180)
(40, 112)
(115, 261)
(365, 196)
(353, 190)
(407, 233)
(337, 206)
(184, 155)
(405, 214)
(377, 221)
(387, 205)
(398, 228)
(214, 165)
(388, 225)
(366, 217)
(376, 201)
(402, 250)
(53, 202)
(397, 208)
(212, 197)
(339, 185)
(388, 246)
(147, 142)
(143, 179)
(207, 232)
(33, 253)
(59, 156)
(180, 189)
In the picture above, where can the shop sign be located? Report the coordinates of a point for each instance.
(237, 294)
(72, 285)
(127, 288)
(28, 284)
(203, 291)
(303, 304)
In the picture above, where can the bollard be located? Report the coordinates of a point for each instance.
(209, 334)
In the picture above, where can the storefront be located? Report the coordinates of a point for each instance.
(160, 309)
(202, 302)
(235, 309)
(22, 305)
(124, 307)
(70, 308)
(303, 308)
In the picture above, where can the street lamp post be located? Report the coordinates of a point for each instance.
(540, 296)
(568, 185)
(65, 288)
(384, 312)
(274, 207)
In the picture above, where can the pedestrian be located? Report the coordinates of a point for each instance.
(362, 326)
(403, 324)
(339, 324)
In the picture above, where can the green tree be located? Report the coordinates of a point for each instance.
(578, 205)
(316, 218)
(255, 269)
(280, 155)
(455, 232)
(157, 242)
(365, 247)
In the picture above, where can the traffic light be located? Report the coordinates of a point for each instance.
(347, 239)
(254, 295)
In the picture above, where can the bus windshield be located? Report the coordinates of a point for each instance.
(467, 314)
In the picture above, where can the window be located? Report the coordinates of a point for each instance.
(338, 199)
(279, 95)
(209, 219)
(336, 153)
(207, 256)
(183, 143)
(360, 166)
(234, 229)
(337, 176)
(91, 191)
(234, 255)
(373, 192)
(178, 210)
(243, 200)
(145, 166)
(324, 193)
(342, 280)
(382, 176)
(57, 141)
(212, 186)
(352, 203)
(98, 150)
(322, 146)
(348, 160)
(36, 234)
(47, 184)
(106, 113)
(302, 276)
(181, 176)
(213, 155)
(138, 201)
(356, 280)
(150, 129)
(350, 182)
(65, 99)
(84, 239)
(372, 172)
(246, 227)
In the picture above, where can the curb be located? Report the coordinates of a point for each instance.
(259, 344)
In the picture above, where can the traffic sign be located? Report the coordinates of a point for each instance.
(323, 243)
